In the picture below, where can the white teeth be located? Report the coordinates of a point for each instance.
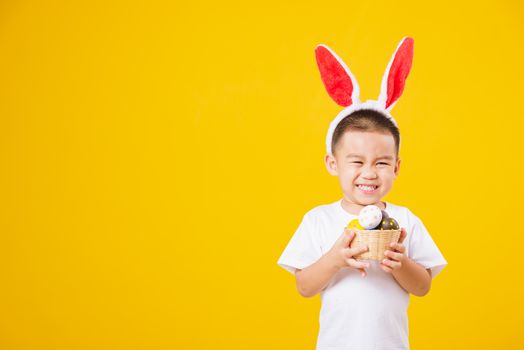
(367, 188)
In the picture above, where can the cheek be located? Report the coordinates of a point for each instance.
(349, 173)
(387, 174)
(346, 178)
(389, 171)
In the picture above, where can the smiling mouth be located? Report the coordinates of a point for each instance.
(367, 188)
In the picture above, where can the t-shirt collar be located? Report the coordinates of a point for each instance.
(340, 209)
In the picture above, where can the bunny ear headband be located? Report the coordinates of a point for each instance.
(343, 88)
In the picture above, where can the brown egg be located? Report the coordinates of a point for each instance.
(389, 224)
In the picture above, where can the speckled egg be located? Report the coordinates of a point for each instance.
(354, 224)
(389, 224)
(370, 217)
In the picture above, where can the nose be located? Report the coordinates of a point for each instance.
(369, 173)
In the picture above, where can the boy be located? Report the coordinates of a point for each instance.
(364, 302)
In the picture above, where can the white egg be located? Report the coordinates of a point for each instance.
(370, 217)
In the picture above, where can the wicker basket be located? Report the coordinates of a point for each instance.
(378, 241)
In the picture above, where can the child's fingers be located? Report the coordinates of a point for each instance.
(349, 252)
(403, 235)
(347, 237)
(392, 264)
(386, 268)
(357, 250)
(393, 255)
(398, 247)
(357, 264)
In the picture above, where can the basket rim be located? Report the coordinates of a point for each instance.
(363, 231)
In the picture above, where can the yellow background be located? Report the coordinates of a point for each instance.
(157, 157)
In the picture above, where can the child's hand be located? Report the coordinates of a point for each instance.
(395, 257)
(342, 254)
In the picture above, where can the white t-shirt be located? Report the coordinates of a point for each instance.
(360, 313)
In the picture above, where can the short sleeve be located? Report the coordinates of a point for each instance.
(423, 250)
(304, 247)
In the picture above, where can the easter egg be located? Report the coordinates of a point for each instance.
(384, 214)
(370, 217)
(354, 224)
(389, 224)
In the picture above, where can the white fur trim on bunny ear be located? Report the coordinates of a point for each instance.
(394, 79)
(341, 85)
(369, 104)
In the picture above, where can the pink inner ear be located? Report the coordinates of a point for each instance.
(335, 78)
(399, 71)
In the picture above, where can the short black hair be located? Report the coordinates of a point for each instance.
(366, 120)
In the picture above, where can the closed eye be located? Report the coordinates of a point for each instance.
(382, 163)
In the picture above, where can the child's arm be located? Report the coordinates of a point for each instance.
(314, 278)
(414, 278)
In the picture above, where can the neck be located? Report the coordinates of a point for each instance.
(354, 208)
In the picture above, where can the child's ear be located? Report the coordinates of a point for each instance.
(397, 167)
(331, 164)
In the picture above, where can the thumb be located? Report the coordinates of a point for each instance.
(348, 237)
(403, 235)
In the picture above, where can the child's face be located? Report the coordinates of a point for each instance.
(366, 165)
